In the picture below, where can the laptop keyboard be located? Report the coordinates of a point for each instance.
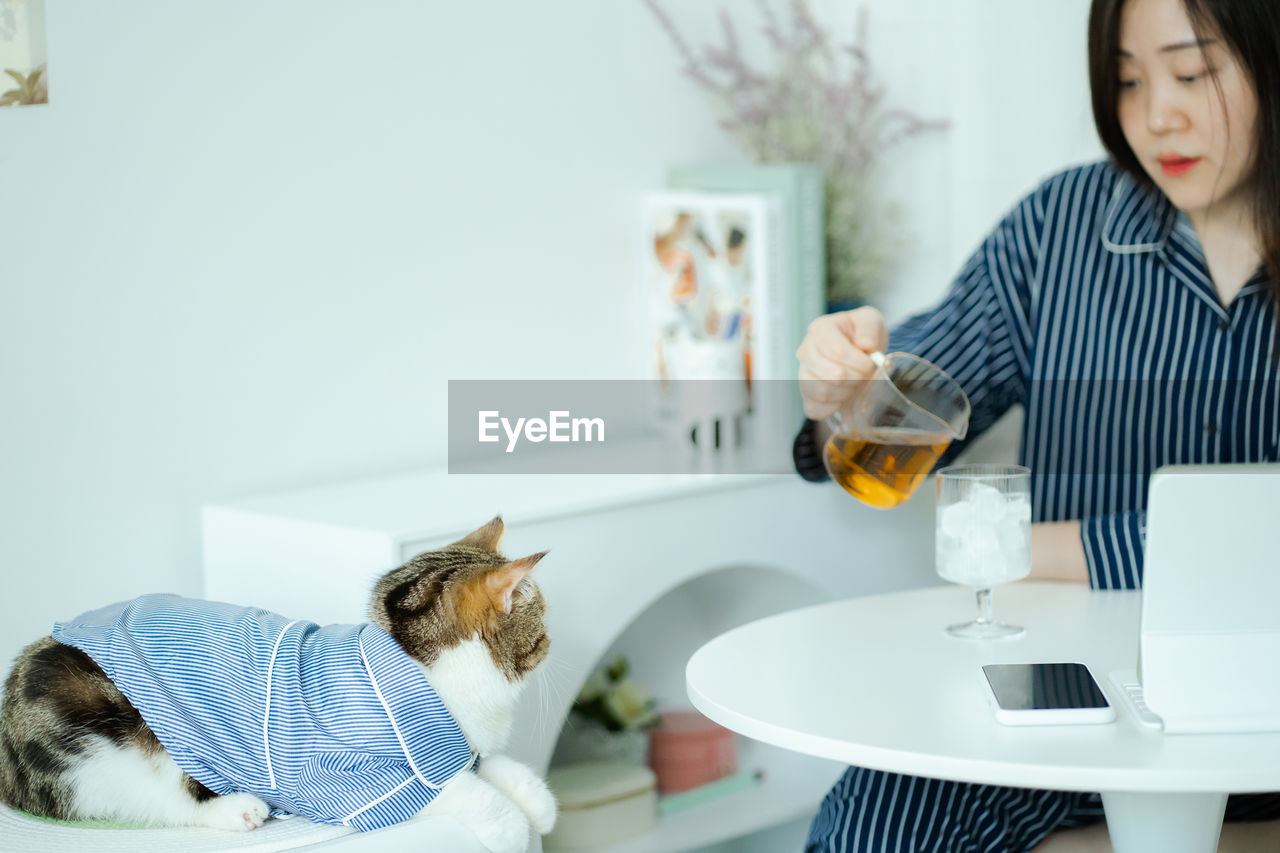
(1131, 689)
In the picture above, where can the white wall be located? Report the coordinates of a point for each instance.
(248, 243)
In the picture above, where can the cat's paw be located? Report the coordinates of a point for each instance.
(506, 831)
(234, 812)
(489, 813)
(540, 805)
(524, 788)
(537, 802)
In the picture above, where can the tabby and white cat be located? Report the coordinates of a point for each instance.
(72, 746)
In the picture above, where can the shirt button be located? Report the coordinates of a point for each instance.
(1224, 325)
(1211, 428)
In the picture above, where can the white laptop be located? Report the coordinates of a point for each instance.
(1209, 649)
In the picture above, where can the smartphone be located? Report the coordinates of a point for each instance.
(1051, 694)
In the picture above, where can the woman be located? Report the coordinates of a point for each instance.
(1131, 307)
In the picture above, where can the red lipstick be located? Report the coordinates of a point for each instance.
(1175, 166)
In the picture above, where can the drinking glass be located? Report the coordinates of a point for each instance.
(888, 436)
(983, 537)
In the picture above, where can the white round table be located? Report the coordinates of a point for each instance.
(876, 682)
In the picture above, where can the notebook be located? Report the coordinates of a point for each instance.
(1209, 645)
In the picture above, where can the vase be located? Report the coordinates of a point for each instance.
(586, 740)
(837, 305)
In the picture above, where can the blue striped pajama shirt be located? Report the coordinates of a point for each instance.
(336, 723)
(1092, 307)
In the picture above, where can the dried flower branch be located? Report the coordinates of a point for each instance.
(817, 105)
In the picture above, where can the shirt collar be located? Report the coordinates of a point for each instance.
(1138, 218)
(429, 736)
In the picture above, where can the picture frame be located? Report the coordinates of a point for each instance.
(718, 322)
(24, 67)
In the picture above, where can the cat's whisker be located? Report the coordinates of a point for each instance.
(556, 667)
(550, 692)
(543, 687)
(557, 670)
(536, 686)
(544, 701)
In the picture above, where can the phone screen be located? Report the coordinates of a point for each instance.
(1043, 686)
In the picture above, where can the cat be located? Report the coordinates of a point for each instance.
(72, 746)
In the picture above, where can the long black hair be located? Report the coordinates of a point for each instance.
(1250, 30)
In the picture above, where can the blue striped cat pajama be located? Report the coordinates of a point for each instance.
(1090, 306)
(333, 722)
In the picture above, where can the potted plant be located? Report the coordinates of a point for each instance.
(817, 104)
(610, 720)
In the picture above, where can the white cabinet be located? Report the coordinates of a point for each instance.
(652, 566)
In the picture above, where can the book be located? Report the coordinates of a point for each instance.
(731, 784)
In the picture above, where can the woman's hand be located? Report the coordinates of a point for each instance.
(833, 358)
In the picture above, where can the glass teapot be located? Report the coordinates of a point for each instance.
(889, 435)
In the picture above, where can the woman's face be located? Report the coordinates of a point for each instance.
(1195, 142)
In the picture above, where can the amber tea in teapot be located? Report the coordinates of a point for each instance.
(888, 438)
(882, 469)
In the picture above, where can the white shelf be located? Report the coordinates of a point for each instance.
(428, 504)
(658, 642)
(792, 788)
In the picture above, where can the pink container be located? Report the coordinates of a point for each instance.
(687, 750)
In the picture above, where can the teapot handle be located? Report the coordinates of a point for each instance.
(835, 420)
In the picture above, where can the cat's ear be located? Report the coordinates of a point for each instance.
(485, 538)
(501, 581)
